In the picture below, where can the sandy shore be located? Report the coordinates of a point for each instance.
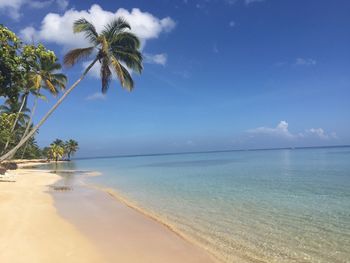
(82, 225)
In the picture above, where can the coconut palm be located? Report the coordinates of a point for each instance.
(112, 48)
(71, 147)
(55, 152)
(45, 76)
(14, 106)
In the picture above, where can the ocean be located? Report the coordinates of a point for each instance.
(288, 205)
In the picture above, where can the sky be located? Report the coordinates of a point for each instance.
(218, 74)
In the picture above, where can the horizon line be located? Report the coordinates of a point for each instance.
(213, 151)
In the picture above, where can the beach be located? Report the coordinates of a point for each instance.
(81, 225)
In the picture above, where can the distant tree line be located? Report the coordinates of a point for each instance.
(60, 150)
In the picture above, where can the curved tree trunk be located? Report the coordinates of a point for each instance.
(47, 115)
(16, 120)
(28, 126)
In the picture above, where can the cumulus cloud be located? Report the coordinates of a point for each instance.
(305, 62)
(13, 7)
(282, 131)
(320, 133)
(56, 28)
(160, 59)
(96, 96)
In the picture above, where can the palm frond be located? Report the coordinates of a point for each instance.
(126, 40)
(116, 26)
(59, 80)
(84, 26)
(131, 57)
(51, 87)
(118, 70)
(76, 55)
(128, 81)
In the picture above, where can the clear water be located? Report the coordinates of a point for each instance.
(246, 206)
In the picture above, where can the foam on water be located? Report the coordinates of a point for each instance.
(246, 206)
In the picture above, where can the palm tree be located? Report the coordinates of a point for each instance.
(55, 152)
(45, 76)
(71, 147)
(16, 107)
(114, 45)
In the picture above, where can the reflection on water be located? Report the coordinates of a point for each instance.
(67, 170)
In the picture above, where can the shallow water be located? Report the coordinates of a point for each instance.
(243, 206)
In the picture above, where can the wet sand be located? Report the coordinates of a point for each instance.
(81, 225)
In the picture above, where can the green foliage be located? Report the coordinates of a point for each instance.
(59, 149)
(24, 70)
(71, 147)
(11, 70)
(6, 123)
(55, 152)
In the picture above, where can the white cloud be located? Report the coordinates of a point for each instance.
(160, 59)
(28, 34)
(305, 62)
(57, 28)
(96, 96)
(320, 133)
(282, 131)
(12, 8)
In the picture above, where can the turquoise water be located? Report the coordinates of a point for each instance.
(244, 206)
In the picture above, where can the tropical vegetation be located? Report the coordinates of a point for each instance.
(26, 70)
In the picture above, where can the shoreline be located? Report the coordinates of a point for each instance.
(158, 219)
(177, 242)
(32, 230)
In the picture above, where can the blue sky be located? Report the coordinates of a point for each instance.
(218, 74)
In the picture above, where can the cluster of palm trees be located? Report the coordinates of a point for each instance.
(60, 150)
(44, 77)
(115, 48)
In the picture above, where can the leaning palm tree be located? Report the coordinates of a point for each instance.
(71, 147)
(45, 75)
(115, 48)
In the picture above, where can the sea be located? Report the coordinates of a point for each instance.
(283, 205)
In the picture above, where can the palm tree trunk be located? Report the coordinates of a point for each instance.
(47, 115)
(31, 117)
(28, 126)
(16, 120)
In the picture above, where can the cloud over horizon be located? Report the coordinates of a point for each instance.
(282, 131)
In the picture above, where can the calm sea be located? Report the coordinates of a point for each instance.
(243, 206)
